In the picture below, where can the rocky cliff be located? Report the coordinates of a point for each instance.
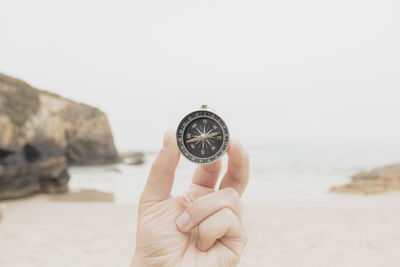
(379, 180)
(40, 133)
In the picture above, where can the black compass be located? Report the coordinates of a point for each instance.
(202, 136)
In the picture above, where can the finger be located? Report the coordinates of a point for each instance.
(161, 178)
(207, 174)
(204, 180)
(237, 175)
(224, 226)
(206, 206)
(195, 192)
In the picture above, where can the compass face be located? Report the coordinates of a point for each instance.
(202, 137)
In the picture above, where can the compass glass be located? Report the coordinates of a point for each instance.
(202, 136)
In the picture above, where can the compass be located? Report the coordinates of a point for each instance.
(202, 136)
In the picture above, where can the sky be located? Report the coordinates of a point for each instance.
(278, 72)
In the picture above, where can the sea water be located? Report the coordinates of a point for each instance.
(276, 171)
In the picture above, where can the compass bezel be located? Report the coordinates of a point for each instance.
(197, 114)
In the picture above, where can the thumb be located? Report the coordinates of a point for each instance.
(161, 178)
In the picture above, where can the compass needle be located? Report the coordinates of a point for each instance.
(213, 134)
(194, 139)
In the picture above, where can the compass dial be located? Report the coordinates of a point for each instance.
(202, 136)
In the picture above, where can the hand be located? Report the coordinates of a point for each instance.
(203, 227)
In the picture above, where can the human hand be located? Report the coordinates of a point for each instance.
(203, 227)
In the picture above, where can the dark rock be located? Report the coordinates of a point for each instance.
(4, 153)
(87, 152)
(54, 176)
(24, 179)
(40, 133)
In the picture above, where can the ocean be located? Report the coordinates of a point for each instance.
(276, 171)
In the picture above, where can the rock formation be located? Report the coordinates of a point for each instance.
(378, 180)
(40, 133)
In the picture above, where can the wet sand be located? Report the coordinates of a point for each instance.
(83, 195)
(332, 230)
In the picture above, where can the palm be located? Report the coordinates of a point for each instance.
(172, 247)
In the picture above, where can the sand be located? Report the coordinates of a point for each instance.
(331, 230)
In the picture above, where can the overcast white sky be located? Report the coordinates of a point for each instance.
(279, 72)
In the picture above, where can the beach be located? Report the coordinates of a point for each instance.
(331, 230)
(310, 89)
(290, 217)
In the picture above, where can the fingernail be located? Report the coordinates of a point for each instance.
(167, 138)
(183, 219)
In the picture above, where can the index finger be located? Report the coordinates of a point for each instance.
(238, 173)
(161, 178)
